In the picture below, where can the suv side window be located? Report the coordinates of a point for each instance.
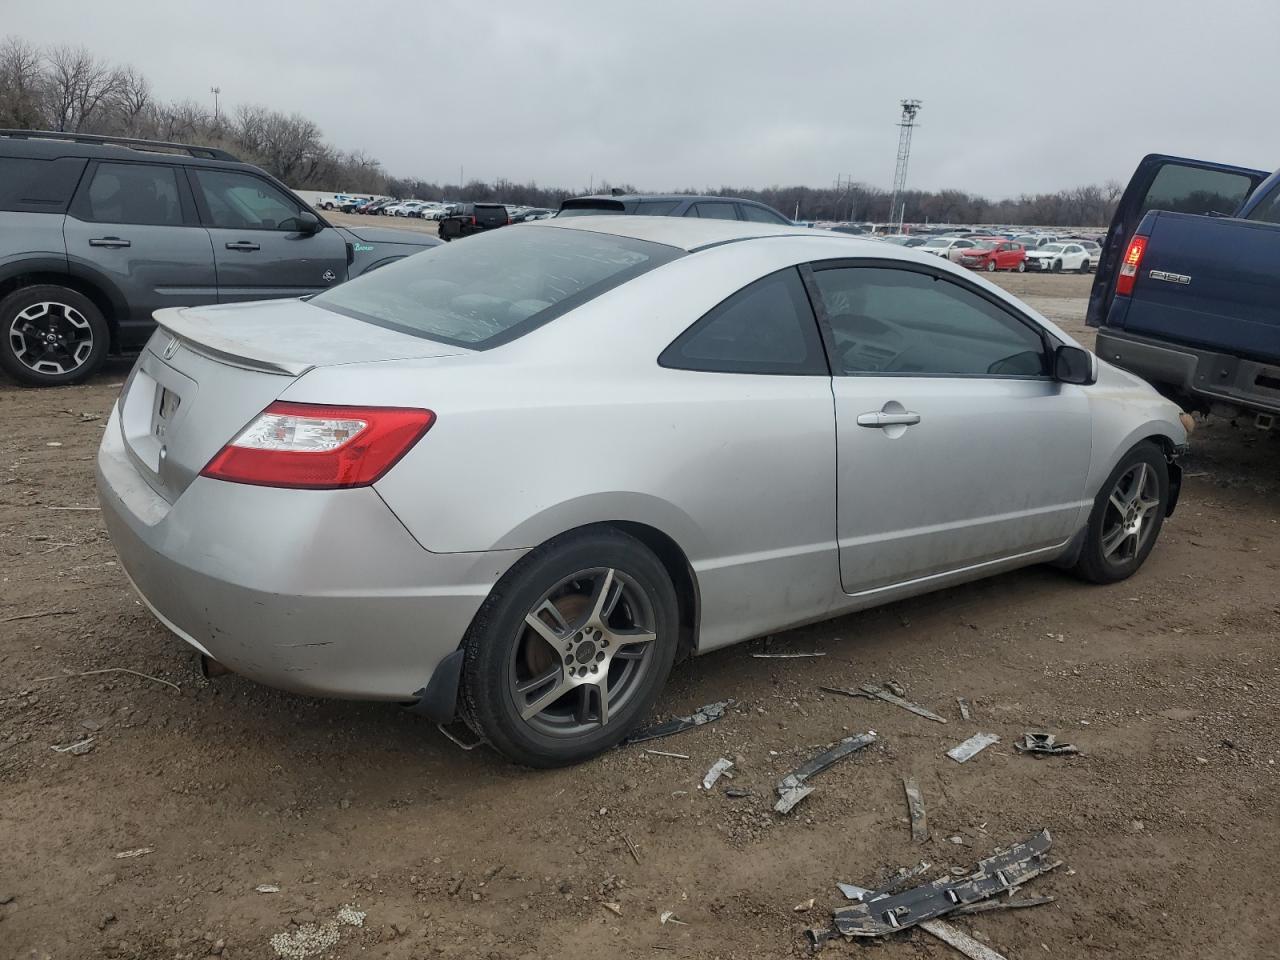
(239, 201)
(756, 214)
(656, 208)
(30, 185)
(766, 327)
(143, 193)
(715, 211)
(892, 322)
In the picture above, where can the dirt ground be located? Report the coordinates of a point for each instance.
(1167, 822)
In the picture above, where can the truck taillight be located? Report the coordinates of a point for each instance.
(309, 446)
(1129, 266)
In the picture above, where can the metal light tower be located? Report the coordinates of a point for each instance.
(897, 210)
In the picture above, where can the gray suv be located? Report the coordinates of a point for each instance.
(96, 233)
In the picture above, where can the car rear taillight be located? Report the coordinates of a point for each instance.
(1129, 266)
(473, 221)
(309, 446)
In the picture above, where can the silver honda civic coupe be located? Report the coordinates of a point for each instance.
(515, 478)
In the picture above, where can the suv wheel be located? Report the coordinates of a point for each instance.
(52, 336)
(571, 649)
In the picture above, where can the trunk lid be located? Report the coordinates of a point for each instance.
(208, 371)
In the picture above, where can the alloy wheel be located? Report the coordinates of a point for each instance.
(1130, 513)
(584, 651)
(51, 338)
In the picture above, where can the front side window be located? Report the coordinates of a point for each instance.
(766, 327)
(239, 201)
(495, 287)
(144, 193)
(761, 215)
(893, 322)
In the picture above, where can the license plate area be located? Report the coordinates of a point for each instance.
(155, 403)
(168, 403)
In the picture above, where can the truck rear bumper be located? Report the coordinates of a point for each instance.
(1216, 377)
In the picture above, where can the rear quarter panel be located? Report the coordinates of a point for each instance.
(31, 241)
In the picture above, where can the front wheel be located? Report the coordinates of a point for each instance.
(53, 336)
(991, 266)
(1057, 266)
(570, 650)
(1127, 516)
(1022, 266)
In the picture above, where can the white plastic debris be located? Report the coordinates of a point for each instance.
(718, 769)
(267, 888)
(971, 747)
(313, 939)
(130, 854)
(669, 916)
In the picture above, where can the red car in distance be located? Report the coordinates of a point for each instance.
(994, 254)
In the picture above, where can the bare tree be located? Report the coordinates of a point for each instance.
(80, 86)
(133, 100)
(22, 85)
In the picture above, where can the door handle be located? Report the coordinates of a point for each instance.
(108, 242)
(243, 245)
(881, 419)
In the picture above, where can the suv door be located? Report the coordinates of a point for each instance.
(133, 225)
(955, 447)
(1165, 183)
(259, 251)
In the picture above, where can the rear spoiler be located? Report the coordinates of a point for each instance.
(201, 335)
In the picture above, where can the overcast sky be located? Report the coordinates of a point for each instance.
(1019, 95)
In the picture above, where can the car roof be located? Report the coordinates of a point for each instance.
(685, 233)
(628, 197)
(52, 146)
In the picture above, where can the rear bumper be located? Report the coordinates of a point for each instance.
(318, 592)
(1196, 372)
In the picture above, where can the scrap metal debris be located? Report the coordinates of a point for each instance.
(703, 715)
(664, 753)
(986, 906)
(736, 793)
(872, 692)
(793, 787)
(966, 708)
(94, 673)
(631, 848)
(77, 749)
(786, 656)
(130, 854)
(876, 917)
(669, 916)
(972, 747)
(915, 807)
(1045, 743)
(804, 907)
(267, 888)
(955, 937)
(718, 769)
(614, 908)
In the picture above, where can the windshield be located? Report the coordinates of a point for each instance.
(1051, 248)
(494, 287)
(984, 245)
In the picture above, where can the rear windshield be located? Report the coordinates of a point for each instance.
(493, 287)
(589, 208)
(33, 185)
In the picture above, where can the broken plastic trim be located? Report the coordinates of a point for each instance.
(792, 788)
(703, 715)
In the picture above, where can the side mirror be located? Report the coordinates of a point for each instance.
(1074, 365)
(308, 222)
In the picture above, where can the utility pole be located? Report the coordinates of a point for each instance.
(215, 91)
(898, 207)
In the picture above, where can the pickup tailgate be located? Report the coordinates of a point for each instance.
(1208, 281)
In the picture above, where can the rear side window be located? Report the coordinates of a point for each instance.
(1181, 189)
(38, 186)
(591, 208)
(497, 286)
(143, 193)
(656, 208)
(714, 211)
(767, 327)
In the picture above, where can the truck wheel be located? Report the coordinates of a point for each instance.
(53, 336)
(991, 265)
(571, 648)
(1127, 515)
(327, 206)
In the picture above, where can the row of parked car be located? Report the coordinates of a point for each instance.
(1001, 251)
(420, 209)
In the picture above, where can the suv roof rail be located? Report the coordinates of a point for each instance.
(203, 153)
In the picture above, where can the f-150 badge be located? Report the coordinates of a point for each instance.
(1169, 277)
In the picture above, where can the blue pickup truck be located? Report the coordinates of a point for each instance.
(1187, 293)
